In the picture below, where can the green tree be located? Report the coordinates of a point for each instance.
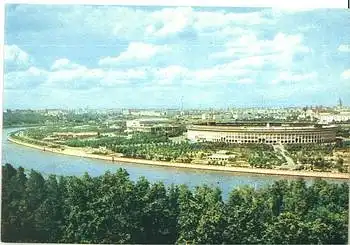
(288, 228)
(248, 214)
(113, 209)
(35, 195)
(49, 215)
(15, 208)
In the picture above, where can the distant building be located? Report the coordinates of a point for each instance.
(330, 117)
(148, 113)
(150, 125)
(126, 112)
(54, 112)
(259, 133)
(223, 156)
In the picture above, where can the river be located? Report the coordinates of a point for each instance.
(51, 163)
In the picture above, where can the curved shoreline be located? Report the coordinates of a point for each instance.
(78, 152)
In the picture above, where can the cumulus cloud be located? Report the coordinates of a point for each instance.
(26, 79)
(65, 74)
(15, 56)
(219, 73)
(169, 75)
(255, 52)
(136, 51)
(345, 74)
(227, 73)
(68, 75)
(218, 48)
(64, 64)
(116, 78)
(85, 78)
(344, 48)
(129, 23)
(80, 78)
(171, 21)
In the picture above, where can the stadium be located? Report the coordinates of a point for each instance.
(263, 133)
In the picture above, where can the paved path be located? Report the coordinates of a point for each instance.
(290, 162)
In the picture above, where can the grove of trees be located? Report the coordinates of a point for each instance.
(113, 209)
(25, 118)
(265, 159)
(317, 156)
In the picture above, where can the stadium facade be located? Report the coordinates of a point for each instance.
(263, 133)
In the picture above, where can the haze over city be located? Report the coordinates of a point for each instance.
(123, 57)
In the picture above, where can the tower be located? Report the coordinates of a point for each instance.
(182, 103)
(182, 106)
(340, 103)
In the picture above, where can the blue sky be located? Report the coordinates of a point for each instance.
(118, 56)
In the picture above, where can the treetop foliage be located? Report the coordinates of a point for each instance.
(113, 209)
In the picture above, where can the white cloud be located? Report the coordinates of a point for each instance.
(27, 79)
(136, 51)
(253, 61)
(177, 19)
(16, 56)
(170, 74)
(345, 74)
(245, 81)
(287, 76)
(207, 20)
(140, 24)
(249, 50)
(226, 32)
(69, 77)
(219, 74)
(66, 74)
(84, 78)
(64, 64)
(170, 21)
(113, 78)
(344, 48)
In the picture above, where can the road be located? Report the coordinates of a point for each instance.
(290, 162)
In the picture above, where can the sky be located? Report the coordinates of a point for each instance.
(75, 56)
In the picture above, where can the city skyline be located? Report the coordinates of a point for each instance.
(103, 56)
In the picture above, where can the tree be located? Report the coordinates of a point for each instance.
(287, 229)
(188, 216)
(248, 214)
(156, 215)
(35, 195)
(340, 165)
(8, 176)
(13, 228)
(275, 194)
(113, 209)
(297, 198)
(49, 216)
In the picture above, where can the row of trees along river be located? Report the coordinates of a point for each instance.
(113, 209)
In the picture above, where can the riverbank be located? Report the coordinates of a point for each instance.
(80, 152)
(21, 126)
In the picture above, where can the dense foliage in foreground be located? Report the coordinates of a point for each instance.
(113, 209)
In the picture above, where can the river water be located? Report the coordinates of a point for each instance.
(50, 163)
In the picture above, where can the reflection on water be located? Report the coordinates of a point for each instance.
(50, 163)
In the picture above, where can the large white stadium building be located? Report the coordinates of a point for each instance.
(266, 133)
